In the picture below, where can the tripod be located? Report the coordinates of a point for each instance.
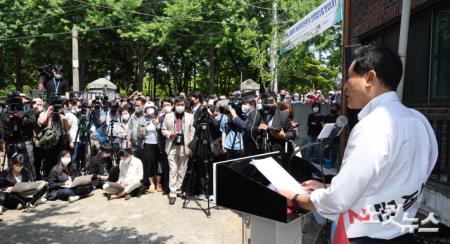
(83, 137)
(202, 153)
(114, 144)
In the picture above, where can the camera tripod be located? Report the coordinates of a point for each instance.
(202, 155)
(83, 138)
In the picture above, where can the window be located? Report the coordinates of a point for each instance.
(440, 63)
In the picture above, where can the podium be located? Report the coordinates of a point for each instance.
(239, 186)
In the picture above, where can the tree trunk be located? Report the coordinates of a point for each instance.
(18, 62)
(212, 69)
(155, 76)
(140, 73)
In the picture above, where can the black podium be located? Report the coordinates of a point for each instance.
(238, 185)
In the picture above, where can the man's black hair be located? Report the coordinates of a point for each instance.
(383, 61)
(168, 100)
(250, 100)
(179, 99)
(140, 99)
(58, 67)
(197, 94)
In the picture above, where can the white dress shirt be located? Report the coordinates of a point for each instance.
(131, 172)
(389, 156)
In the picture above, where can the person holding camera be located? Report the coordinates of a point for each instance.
(17, 130)
(56, 84)
(251, 118)
(179, 130)
(136, 128)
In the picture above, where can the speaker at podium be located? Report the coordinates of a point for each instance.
(238, 185)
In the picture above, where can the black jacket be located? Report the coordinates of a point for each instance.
(57, 177)
(7, 178)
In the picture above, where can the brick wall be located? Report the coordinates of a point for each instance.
(367, 15)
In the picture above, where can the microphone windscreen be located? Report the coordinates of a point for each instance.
(341, 121)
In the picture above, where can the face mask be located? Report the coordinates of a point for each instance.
(125, 117)
(150, 111)
(106, 155)
(40, 109)
(168, 109)
(259, 106)
(245, 108)
(138, 110)
(315, 109)
(18, 168)
(295, 98)
(58, 76)
(217, 118)
(65, 161)
(179, 109)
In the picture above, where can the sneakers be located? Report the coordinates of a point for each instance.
(127, 197)
(172, 200)
(74, 199)
(41, 201)
(151, 189)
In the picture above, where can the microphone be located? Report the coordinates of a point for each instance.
(341, 122)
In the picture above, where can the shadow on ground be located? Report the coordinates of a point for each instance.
(28, 228)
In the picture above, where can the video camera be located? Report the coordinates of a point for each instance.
(57, 102)
(14, 102)
(45, 71)
(102, 102)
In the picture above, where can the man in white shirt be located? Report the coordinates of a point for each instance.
(389, 156)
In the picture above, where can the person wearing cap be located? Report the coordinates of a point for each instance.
(13, 175)
(152, 151)
(100, 165)
(130, 176)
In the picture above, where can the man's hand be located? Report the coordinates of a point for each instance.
(232, 111)
(68, 183)
(263, 127)
(279, 134)
(312, 185)
(287, 194)
(173, 135)
(9, 189)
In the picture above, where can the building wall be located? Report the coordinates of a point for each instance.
(369, 15)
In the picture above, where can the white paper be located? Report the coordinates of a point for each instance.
(326, 131)
(279, 177)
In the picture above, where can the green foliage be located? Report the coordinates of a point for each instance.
(174, 44)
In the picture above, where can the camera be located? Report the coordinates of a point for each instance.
(14, 102)
(179, 140)
(57, 102)
(46, 71)
(103, 102)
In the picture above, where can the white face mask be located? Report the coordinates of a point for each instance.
(65, 161)
(168, 109)
(125, 117)
(138, 110)
(315, 109)
(179, 109)
(40, 109)
(245, 108)
(150, 111)
(58, 76)
(259, 106)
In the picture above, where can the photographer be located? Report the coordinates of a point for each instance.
(136, 128)
(232, 141)
(55, 84)
(196, 104)
(17, 130)
(251, 118)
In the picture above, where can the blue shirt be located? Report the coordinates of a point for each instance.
(224, 128)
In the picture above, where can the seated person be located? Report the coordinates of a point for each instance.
(130, 176)
(100, 166)
(60, 179)
(15, 173)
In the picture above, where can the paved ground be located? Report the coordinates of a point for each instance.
(148, 219)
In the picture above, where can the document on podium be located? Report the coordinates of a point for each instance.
(277, 175)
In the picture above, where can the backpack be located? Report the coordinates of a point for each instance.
(48, 137)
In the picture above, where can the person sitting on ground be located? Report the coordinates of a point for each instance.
(60, 181)
(30, 196)
(130, 176)
(101, 167)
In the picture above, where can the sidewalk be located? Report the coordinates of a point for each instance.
(148, 219)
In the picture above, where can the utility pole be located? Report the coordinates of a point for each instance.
(75, 61)
(274, 50)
